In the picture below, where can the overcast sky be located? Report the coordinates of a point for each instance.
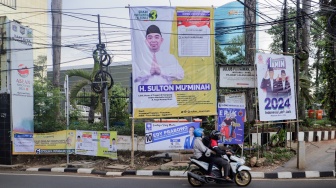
(79, 25)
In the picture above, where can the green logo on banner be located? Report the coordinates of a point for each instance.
(153, 15)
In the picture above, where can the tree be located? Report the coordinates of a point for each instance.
(276, 32)
(329, 62)
(235, 50)
(46, 100)
(40, 68)
(118, 104)
(220, 57)
(86, 79)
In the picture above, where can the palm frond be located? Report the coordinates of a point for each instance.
(76, 88)
(79, 73)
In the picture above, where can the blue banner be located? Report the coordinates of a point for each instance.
(231, 123)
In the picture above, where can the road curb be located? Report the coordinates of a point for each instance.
(257, 175)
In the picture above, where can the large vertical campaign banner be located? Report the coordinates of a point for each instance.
(231, 122)
(173, 72)
(276, 94)
(170, 136)
(21, 82)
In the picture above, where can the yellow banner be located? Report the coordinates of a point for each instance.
(93, 143)
(59, 142)
(173, 62)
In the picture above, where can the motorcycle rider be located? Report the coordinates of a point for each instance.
(201, 152)
(218, 159)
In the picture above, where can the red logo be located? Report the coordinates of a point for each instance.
(23, 71)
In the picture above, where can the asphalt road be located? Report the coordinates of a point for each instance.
(54, 180)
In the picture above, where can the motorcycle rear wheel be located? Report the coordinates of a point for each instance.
(243, 178)
(194, 182)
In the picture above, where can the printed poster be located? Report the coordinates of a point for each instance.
(173, 62)
(23, 143)
(276, 93)
(60, 142)
(170, 136)
(96, 143)
(231, 119)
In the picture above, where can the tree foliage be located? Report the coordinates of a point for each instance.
(46, 101)
(236, 50)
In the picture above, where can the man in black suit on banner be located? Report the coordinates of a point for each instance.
(283, 86)
(269, 84)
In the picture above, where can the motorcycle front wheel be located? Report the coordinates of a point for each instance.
(243, 178)
(194, 182)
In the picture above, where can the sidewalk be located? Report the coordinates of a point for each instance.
(320, 162)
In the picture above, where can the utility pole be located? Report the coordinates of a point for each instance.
(105, 115)
(250, 43)
(297, 69)
(285, 37)
(56, 8)
(306, 10)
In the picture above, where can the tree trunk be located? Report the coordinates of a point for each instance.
(250, 44)
(92, 109)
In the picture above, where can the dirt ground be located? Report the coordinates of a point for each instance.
(143, 160)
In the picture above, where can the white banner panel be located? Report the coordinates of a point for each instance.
(235, 98)
(22, 78)
(237, 77)
(276, 93)
(170, 136)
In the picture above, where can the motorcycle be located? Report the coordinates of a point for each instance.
(239, 173)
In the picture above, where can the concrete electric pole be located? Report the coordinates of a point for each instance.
(56, 8)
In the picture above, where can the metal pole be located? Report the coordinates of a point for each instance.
(132, 140)
(297, 69)
(105, 93)
(285, 37)
(67, 112)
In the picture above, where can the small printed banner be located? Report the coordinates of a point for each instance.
(96, 143)
(170, 136)
(231, 123)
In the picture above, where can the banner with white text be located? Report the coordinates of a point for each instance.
(231, 119)
(276, 93)
(170, 136)
(173, 68)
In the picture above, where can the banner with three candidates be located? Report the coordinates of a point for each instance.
(276, 92)
(173, 61)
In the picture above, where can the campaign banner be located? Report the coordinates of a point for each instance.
(22, 78)
(170, 136)
(173, 69)
(96, 143)
(23, 143)
(276, 94)
(231, 119)
(237, 77)
(60, 142)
